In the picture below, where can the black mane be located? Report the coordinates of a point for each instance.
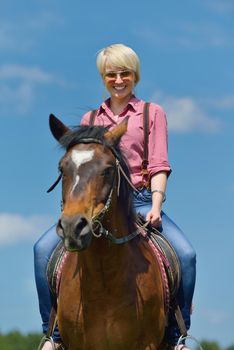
(78, 133)
(95, 134)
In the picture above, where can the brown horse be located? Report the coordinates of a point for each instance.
(111, 292)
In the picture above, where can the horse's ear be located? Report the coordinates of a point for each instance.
(57, 128)
(113, 137)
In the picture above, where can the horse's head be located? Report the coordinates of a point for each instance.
(88, 170)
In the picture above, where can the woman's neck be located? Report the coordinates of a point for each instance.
(117, 106)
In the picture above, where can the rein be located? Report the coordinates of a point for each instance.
(96, 220)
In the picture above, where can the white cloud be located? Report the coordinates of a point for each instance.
(26, 73)
(18, 85)
(15, 227)
(224, 102)
(206, 34)
(23, 33)
(14, 38)
(230, 187)
(189, 35)
(184, 114)
(220, 6)
(44, 20)
(17, 100)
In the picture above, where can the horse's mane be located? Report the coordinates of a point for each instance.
(80, 133)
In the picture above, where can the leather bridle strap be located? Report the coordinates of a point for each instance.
(120, 240)
(54, 184)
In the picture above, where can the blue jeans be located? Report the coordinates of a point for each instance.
(142, 203)
(43, 250)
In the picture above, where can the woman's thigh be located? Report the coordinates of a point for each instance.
(46, 244)
(176, 237)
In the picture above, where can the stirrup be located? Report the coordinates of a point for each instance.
(184, 337)
(44, 339)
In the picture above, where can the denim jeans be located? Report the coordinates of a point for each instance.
(142, 203)
(43, 250)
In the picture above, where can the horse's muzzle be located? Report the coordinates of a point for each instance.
(75, 232)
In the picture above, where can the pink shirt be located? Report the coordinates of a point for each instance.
(132, 141)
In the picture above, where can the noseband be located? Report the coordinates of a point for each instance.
(96, 219)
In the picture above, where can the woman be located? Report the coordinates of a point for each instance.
(119, 68)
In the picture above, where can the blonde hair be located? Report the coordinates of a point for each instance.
(118, 56)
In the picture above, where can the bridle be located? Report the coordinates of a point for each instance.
(97, 219)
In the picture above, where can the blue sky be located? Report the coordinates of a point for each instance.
(47, 64)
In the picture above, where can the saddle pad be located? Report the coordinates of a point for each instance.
(170, 259)
(54, 268)
(169, 256)
(159, 258)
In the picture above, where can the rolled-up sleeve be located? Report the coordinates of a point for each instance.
(158, 142)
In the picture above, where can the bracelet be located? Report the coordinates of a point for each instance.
(161, 192)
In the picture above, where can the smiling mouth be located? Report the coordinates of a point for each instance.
(119, 88)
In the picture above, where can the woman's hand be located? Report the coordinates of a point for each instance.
(158, 188)
(154, 216)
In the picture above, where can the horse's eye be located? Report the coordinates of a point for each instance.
(107, 172)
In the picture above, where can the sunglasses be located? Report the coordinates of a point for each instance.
(124, 74)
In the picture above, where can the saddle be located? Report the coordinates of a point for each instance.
(54, 269)
(161, 248)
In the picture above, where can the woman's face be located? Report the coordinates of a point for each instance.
(119, 82)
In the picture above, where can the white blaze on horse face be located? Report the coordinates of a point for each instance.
(78, 158)
(76, 182)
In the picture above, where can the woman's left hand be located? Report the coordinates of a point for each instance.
(154, 216)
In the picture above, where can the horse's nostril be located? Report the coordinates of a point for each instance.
(60, 224)
(81, 224)
(60, 228)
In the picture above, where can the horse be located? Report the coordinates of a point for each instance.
(111, 291)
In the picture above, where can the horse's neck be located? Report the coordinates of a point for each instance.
(118, 220)
(101, 251)
(102, 261)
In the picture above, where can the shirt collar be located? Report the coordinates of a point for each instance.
(133, 102)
